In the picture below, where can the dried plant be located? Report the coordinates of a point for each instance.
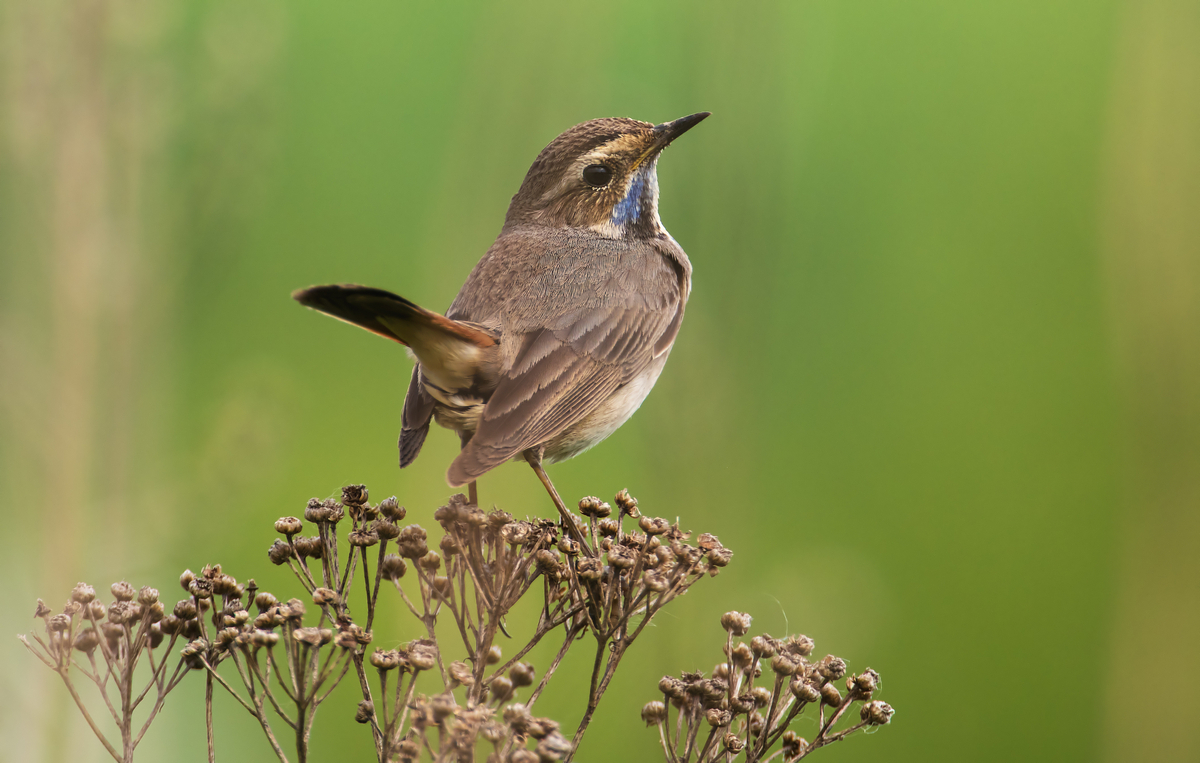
(741, 717)
(598, 577)
(129, 628)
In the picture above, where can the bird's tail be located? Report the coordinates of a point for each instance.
(450, 352)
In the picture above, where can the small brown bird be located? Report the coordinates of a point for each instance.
(565, 324)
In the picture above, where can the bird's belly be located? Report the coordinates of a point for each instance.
(607, 418)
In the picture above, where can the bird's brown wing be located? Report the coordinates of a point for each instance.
(556, 375)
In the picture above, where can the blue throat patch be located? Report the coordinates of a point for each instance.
(629, 209)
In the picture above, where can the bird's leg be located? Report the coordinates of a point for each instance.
(534, 457)
(472, 494)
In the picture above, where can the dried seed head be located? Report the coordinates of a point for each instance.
(494, 653)
(609, 528)
(877, 713)
(411, 543)
(288, 526)
(333, 511)
(316, 511)
(185, 609)
(756, 722)
(762, 646)
(449, 545)
(325, 596)
(83, 594)
(717, 717)
(147, 596)
(654, 525)
(264, 601)
(122, 591)
(522, 674)
(830, 695)
(733, 743)
(742, 704)
(589, 568)
(793, 743)
(863, 685)
(154, 612)
(831, 668)
(517, 533)
(498, 519)
(672, 687)
(87, 640)
(354, 495)
(591, 506)
(59, 623)
(804, 691)
(365, 712)
(385, 529)
(422, 654)
(443, 705)
(408, 750)
(627, 504)
(362, 537)
(494, 731)
(798, 646)
(501, 687)
(656, 581)
(523, 756)
(654, 713)
(622, 557)
(568, 546)
(460, 673)
(721, 670)
(720, 557)
(708, 542)
(185, 580)
(784, 665)
(388, 659)
(392, 509)
(737, 623)
(742, 656)
(430, 562)
(394, 567)
(554, 746)
(264, 638)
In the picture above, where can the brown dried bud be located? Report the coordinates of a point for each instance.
(355, 495)
(460, 673)
(310, 636)
(589, 568)
(264, 638)
(392, 509)
(288, 526)
(362, 537)
(798, 646)
(622, 557)
(733, 743)
(501, 687)
(122, 591)
(877, 713)
(554, 746)
(672, 687)
(517, 533)
(720, 557)
(756, 722)
(412, 542)
(656, 581)
(831, 668)
(742, 656)
(42, 610)
(862, 685)
(325, 596)
(654, 525)
(591, 506)
(523, 756)
(316, 511)
(804, 692)
(83, 594)
(547, 561)
(185, 580)
(784, 665)
(654, 713)
(742, 703)
(609, 528)
(793, 743)
(737, 623)
(59, 623)
(449, 545)
(365, 712)
(388, 659)
(568, 546)
(147, 596)
(422, 655)
(185, 609)
(393, 567)
(87, 640)
(830, 695)
(762, 646)
(717, 717)
(522, 674)
(264, 601)
(627, 504)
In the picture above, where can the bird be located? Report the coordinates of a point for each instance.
(563, 326)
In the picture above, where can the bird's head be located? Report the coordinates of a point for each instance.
(599, 175)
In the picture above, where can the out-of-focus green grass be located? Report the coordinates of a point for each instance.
(894, 395)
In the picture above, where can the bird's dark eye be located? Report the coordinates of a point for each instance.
(597, 175)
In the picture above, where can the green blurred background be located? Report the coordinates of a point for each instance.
(938, 386)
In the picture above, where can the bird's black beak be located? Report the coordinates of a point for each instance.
(669, 131)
